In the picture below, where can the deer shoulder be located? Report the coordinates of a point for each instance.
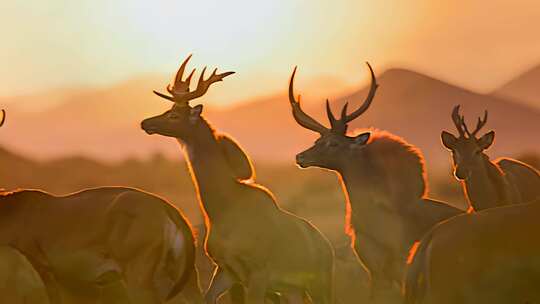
(236, 157)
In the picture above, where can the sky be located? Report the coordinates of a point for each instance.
(86, 43)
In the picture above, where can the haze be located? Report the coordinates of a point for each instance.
(60, 43)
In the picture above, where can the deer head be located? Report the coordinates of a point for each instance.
(333, 145)
(467, 149)
(180, 120)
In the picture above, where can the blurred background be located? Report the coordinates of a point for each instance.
(77, 79)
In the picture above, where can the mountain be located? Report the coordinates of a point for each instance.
(105, 123)
(100, 123)
(418, 107)
(524, 88)
(408, 104)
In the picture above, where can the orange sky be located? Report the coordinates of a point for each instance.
(65, 43)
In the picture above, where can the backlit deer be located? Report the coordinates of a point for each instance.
(249, 237)
(383, 179)
(488, 183)
(491, 256)
(109, 244)
(101, 239)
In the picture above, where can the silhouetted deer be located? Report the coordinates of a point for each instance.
(488, 184)
(383, 180)
(101, 237)
(490, 256)
(127, 242)
(250, 238)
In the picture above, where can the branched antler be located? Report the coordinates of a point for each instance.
(340, 126)
(459, 121)
(299, 115)
(337, 125)
(180, 89)
(481, 123)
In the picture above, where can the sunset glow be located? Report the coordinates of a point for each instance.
(86, 69)
(60, 43)
(270, 151)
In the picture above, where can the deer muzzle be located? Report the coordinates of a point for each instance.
(148, 127)
(302, 161)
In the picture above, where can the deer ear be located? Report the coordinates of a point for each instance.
(196, 110)
(448, 140)
(486, 140)
(361, 139)
(195, 114)
(236, 157)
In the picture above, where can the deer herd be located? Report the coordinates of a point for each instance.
(123, 245)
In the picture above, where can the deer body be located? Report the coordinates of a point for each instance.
(119, 240)
(249, 232)
(252, 241)
(487, 187)
(489, 256)
(383, 181)
(487, 183)
(501, 182)
(388, 209)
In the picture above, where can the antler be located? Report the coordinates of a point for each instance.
(481, 123)
(180, 89)
(340, 126)
(337, 125)
(3, 117)
(367, 101)
(299, 115)
(459, 121)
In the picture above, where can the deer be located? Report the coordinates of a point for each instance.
(487, 183)
(102, 238)
(488, 256)
(253, 242)
(383, 180)
(110, 244)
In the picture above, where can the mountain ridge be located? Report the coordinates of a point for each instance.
(523, 88)
(409, 104)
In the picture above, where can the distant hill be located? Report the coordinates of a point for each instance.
(105, 123)
(409, 104)
(524, 88)
(418, 107)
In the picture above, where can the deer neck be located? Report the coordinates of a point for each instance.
(209, 170)
(369, 202)
(486, 187)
